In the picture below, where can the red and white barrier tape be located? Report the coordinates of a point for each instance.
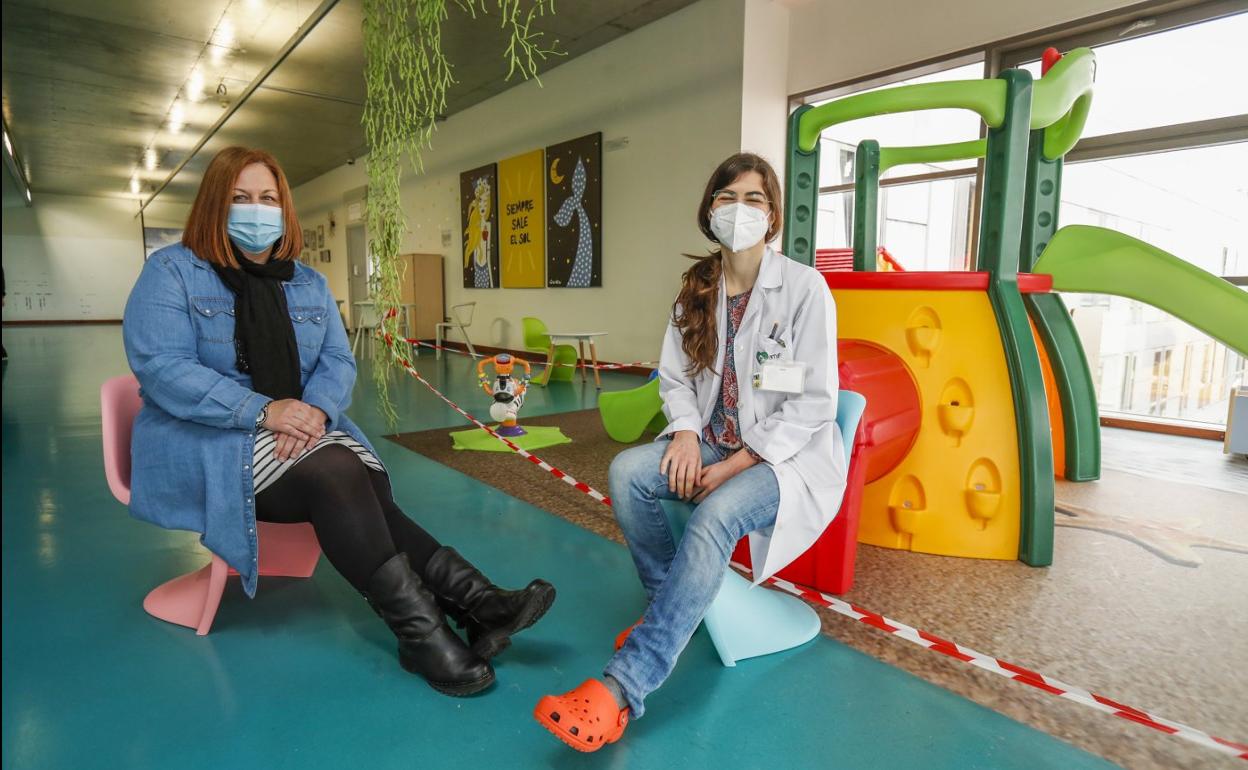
(431, 346)
(1006, 669)
(590, 365)
(913, 635)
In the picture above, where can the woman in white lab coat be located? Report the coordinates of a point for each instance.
(748, 377)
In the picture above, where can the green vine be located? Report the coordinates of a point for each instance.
(407, 77)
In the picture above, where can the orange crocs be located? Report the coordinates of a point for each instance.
(623, 636)
(585, 718)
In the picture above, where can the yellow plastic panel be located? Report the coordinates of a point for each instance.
(957, 492)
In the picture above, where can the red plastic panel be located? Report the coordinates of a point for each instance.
(932, 281)
(891, 421)
(1035, 283)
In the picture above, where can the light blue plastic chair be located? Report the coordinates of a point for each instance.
(746, 621)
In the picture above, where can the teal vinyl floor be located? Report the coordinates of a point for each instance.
(304, 676)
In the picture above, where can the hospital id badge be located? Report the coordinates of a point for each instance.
(780, 376)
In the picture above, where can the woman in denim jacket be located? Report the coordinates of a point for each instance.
(246, 376)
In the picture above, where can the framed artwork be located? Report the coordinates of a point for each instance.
(320, 236)
(325, 255)
(156, 238)
(478, 209)
(309, 238)
(522, 221)
(573, 172)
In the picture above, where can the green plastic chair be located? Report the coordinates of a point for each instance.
(537, 341)
(626, 414)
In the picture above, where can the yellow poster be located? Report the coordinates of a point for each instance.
(522, 221)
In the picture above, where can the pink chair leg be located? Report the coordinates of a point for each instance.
(192, 599)
(217, 573)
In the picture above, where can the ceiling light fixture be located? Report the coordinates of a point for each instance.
(195, 86)
(224, 36)
(149, 158)
(187, 155)
(134, 185)
(177, 119)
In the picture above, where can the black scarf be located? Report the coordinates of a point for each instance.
(264, 337)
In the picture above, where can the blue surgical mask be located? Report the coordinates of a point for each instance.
(255, 227)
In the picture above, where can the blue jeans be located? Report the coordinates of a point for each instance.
(680, 579)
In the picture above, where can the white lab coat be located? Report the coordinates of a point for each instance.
(796, 434)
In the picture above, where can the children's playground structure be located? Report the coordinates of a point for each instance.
(978, 389)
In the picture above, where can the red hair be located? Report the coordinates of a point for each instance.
(206, 231)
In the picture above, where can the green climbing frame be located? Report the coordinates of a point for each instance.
(1030, 127)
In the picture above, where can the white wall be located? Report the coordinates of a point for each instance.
(764, 80)
(832, 41)
(74, 258)
(332, 218)
(673, 90)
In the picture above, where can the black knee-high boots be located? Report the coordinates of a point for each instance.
(427, 645)
(489, 614)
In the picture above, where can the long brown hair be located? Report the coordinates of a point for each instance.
(699, 291)
(206, 232)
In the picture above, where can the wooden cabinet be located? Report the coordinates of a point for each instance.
(422, 284)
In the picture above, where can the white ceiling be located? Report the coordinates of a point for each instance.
(90, 85)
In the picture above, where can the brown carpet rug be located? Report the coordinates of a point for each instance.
(1111, 615)
(587, 458)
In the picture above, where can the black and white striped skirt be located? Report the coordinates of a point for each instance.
(268, 469)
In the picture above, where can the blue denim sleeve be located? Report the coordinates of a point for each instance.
(159, 337)
(329, 386)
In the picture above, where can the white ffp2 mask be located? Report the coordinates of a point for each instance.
(738, 226)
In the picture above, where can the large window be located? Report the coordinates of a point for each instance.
(925, 210)
(1185, 202)
(1182, 75)
(1164, 158)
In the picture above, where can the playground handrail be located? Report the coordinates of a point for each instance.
(1060, 103)
(985, 97)
(891, 157)
(1061, 100)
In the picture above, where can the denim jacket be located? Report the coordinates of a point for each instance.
(192, 443)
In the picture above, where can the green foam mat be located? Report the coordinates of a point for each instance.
(537, 437)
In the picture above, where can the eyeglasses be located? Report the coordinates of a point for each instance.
(755, 199)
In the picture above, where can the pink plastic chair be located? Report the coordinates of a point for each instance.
(286, 550)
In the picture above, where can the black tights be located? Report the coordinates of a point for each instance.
(352, 510)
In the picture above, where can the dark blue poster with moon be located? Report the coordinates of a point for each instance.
(574, 212)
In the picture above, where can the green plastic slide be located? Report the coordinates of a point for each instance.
(1089, 259)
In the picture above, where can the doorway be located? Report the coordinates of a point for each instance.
(359, 270)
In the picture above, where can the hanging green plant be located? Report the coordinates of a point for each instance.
(407, 77)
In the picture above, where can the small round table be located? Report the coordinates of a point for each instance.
(581, 338)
